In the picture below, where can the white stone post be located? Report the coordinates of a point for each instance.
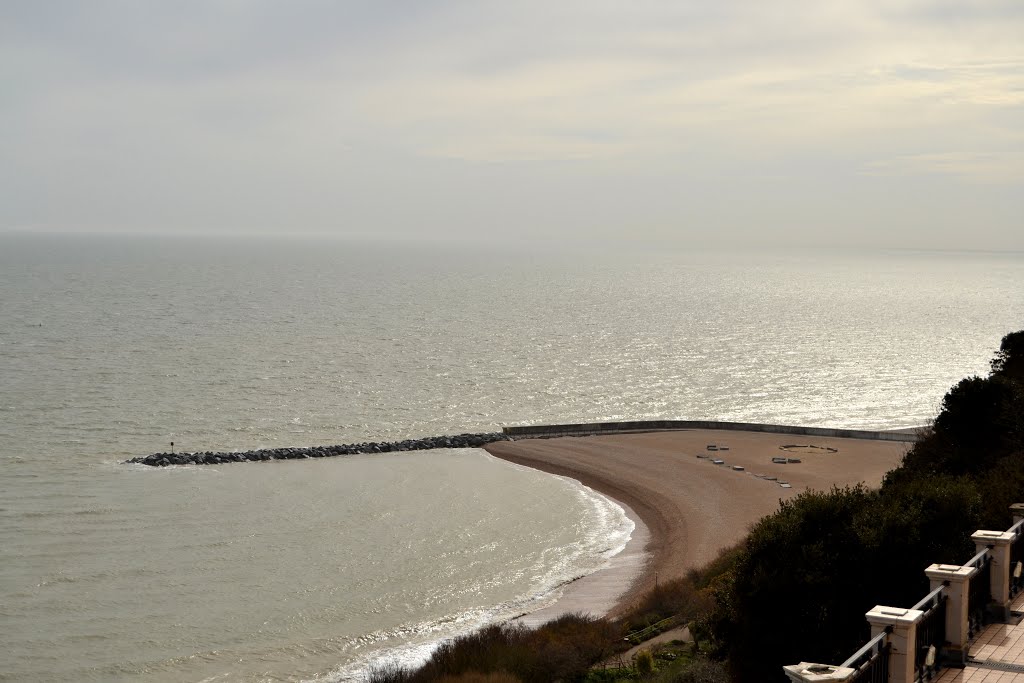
(998, 544)
(902, 639)
(955, 579)
(1017, 510)
(806, 672)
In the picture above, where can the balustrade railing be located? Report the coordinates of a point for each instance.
(979, 594)
(931, 634)
(871, 661)
(1016, 558)
(926, 635)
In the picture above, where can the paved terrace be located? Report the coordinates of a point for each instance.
(996, 656)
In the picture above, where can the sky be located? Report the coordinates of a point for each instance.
(892, 123)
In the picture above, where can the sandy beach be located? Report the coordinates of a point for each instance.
(691, 508)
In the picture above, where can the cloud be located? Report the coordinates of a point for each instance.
(986, 168)
(839, 72)
(258, 114)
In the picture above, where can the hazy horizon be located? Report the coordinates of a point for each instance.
(549, 244)
(857, 124)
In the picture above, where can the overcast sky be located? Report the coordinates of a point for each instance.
(862, 122)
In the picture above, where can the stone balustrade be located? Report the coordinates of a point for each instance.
(908, 645)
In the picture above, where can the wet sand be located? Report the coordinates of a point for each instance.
(690, 507)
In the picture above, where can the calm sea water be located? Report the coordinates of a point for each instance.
(112, 347)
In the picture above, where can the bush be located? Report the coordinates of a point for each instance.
(699, 670)
(678, 597)
(643, 662)
(476, 677)
(1003, 485)
(389, 673)
(563, 649)
(723, 564)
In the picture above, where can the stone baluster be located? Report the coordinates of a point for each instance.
(1017, 510)
(998, 545)
(807, 672)
(902, 638)
(956, 580)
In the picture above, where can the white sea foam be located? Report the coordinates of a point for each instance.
(607, 532)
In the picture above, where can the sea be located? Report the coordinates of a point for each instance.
(114, 346)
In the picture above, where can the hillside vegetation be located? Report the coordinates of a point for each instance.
(806, 575)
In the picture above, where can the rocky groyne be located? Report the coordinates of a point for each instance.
(427, 443)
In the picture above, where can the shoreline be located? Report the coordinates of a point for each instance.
(691, 508)
(599, 592)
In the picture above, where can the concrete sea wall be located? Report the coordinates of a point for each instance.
(598, 428)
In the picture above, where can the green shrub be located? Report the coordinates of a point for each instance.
(643, 662)
(699, 670)
(703, 577)
(476, 677)
(678, 597)
(563, 649)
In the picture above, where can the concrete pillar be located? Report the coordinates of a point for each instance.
(902, 639)
(806, 672)
(1017, 510)
(955, 579)
(998, 543)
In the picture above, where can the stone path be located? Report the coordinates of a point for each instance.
(626, 658)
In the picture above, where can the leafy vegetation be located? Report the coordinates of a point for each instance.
(560, 650)
(672, 662)
(825, 558)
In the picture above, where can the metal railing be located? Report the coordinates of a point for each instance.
(931, 634)
(639, 636)
(979, 594)
(1016, 558)
(871, 661)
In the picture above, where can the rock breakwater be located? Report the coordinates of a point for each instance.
(427, 443)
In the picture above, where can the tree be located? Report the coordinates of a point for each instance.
(981, 421)
(1009, 360)
(796, 563)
